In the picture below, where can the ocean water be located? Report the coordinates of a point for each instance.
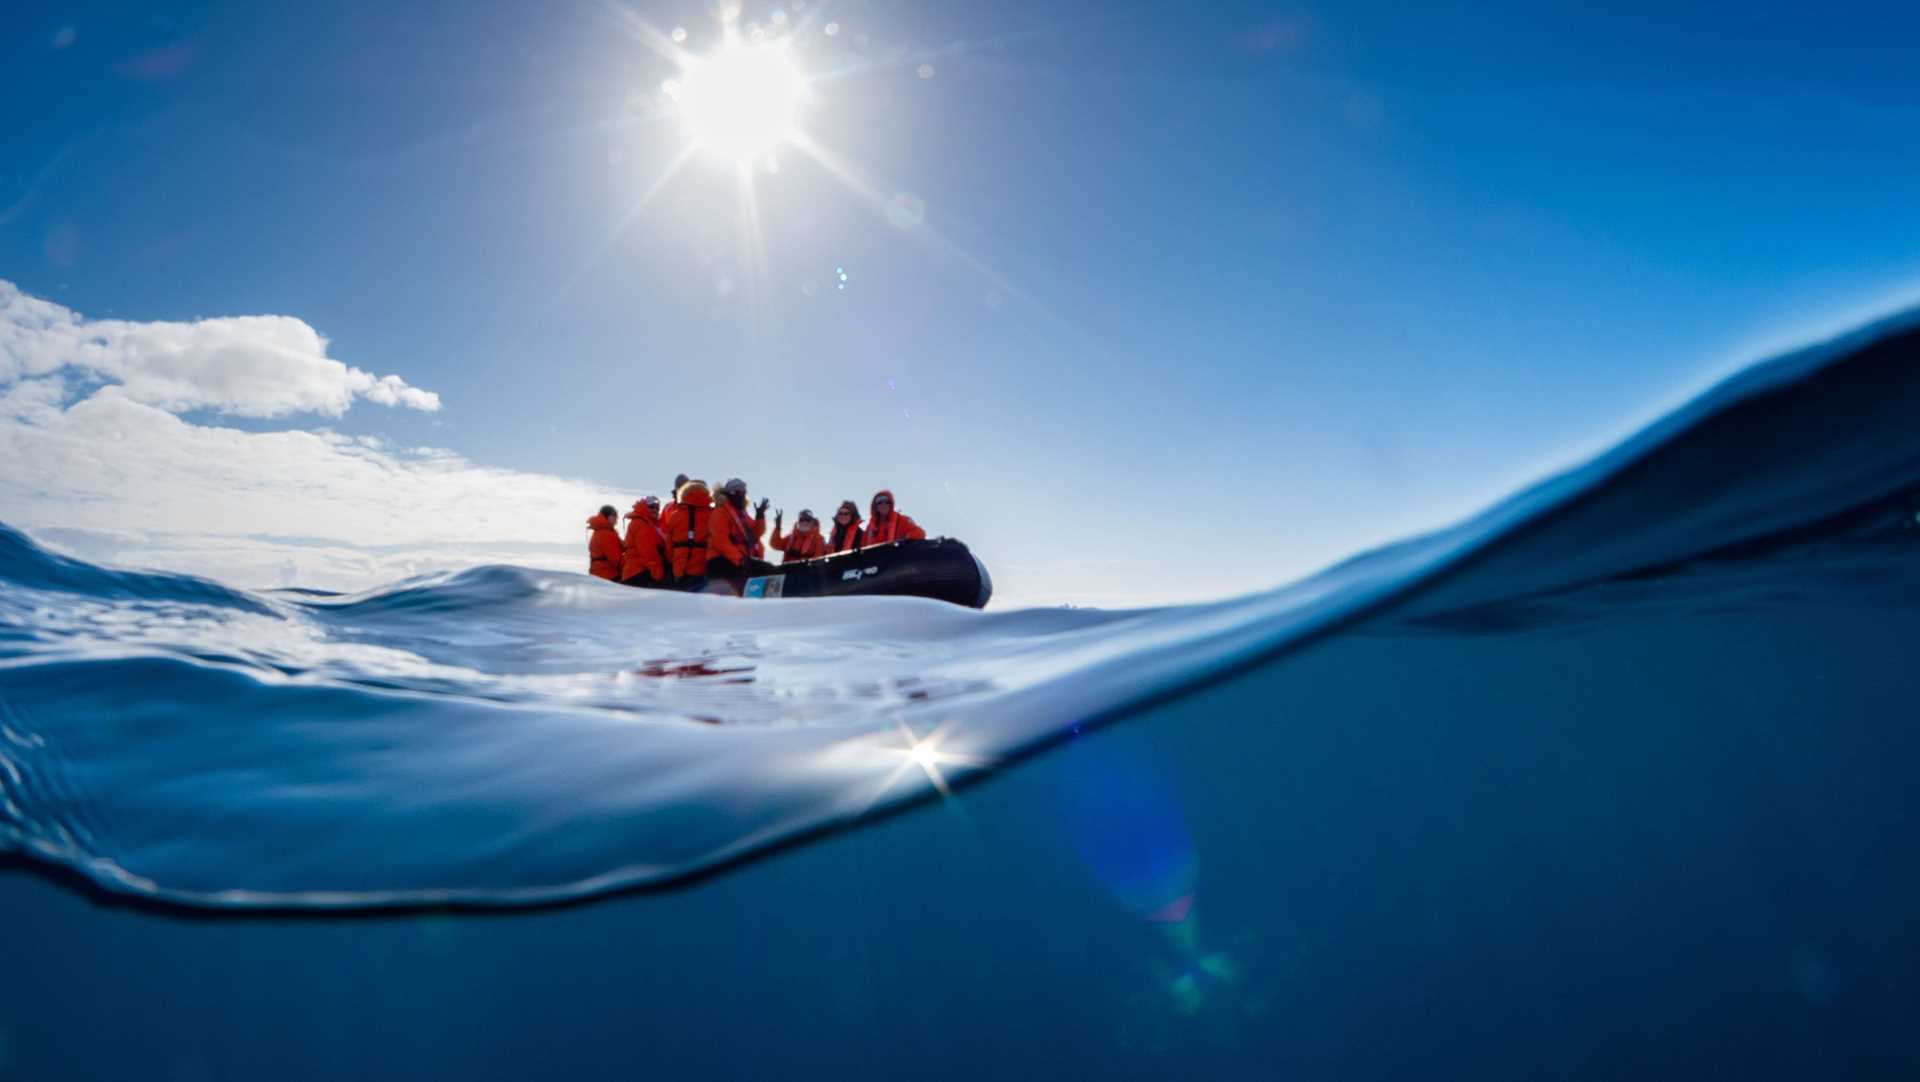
(1617, 779)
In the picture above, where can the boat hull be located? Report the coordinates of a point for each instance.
(941, 569)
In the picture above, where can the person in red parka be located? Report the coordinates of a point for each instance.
(673, 500)
(884, 524)
(846, 533)
(603, 545)
(733, 541)
(647, 557)
(686, 529)
(805, 542)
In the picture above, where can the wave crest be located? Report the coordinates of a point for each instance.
(501, 736)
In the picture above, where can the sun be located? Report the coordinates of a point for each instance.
(746, 101)
(740, 102)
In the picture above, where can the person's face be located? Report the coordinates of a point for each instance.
(843, 515)
(805, 525)
(883, 506)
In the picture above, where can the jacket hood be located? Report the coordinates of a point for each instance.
(695, 494)
(644, 512)
(599, 522)
(888, 493)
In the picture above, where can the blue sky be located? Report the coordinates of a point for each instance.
(1144, 301)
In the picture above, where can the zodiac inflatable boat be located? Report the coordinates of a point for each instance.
(942, 569)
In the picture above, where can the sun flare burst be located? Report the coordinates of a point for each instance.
(741, 102)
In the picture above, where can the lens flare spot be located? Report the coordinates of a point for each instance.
(905, 211)
(1187, 997)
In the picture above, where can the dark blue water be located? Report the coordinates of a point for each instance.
(1616, 780)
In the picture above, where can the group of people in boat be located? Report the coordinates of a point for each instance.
(707, 533)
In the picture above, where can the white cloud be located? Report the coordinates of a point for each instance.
(114, 473)
(248, 366)
(393, 391)
(324, 564)
(32, 399)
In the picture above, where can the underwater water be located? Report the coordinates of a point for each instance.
(1616, 779)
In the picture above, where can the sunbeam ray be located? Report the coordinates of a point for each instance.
(917, 57)
(649, 35)
(626, 222)
(927, 236)
(805, 22)
(752, 243)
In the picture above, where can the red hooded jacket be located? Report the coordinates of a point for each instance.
(646, 546)
(686, 529)
(893, 527)
(734, 537)
(798, 545)
(603, 549)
